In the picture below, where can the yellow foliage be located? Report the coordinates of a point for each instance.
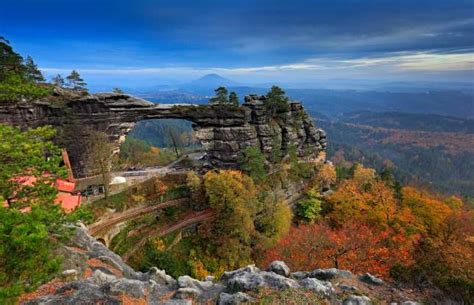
(198, 270)
(429, 211)
(158, 244)
(363, 175)
(193, 181)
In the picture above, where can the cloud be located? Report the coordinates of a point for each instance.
(399, 62)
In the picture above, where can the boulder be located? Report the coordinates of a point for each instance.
(371, 279)
(232, 299)
(161, 278)
(101, 278)
(134, 288)
(357, 300)
(279, 267)
(329, 274)
(320, 287)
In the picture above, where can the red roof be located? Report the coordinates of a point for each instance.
(68, 202)
(65, 186)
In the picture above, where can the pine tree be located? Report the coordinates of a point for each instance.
(33, 74)
(233, 99)
(58, 80)
(10, 61)
(276, 102)
(75, 81)
(221, 95)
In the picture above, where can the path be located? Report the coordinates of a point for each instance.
(115, 218)
(189, 219)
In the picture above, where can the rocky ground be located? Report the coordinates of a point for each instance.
(95, 275)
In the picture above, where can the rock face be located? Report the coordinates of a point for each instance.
(222, 130)
(101, 277)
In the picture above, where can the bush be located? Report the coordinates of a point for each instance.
(309, 208)
(15, 89)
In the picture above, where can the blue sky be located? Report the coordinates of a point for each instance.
(156, 42)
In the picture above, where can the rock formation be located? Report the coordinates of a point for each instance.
(95, 275)
(224, 131)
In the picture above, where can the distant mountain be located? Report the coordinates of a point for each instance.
(211, 81)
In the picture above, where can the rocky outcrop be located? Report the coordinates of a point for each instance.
(103, 278)
(224, 131)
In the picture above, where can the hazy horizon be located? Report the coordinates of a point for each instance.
(146, 43)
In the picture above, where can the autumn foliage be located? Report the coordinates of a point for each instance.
(354, 246)
(370, 224)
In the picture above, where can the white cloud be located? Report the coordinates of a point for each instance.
(399, 62)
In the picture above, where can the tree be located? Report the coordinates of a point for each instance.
(10, 61)
(27, 239)
(221, 95)
(117, 90)
(319, 246)
(309, 208)
(233, 197)
(31, 156)
(33, 74)
(252, 162)
(76, 82)
(233, 99)
(174, 140)
(17, 80)
(58, 80)
(100, 154)
(276, 102)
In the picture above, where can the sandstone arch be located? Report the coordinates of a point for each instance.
(222, 130)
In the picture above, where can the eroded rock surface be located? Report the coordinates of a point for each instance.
(224, 131)
(105, 279)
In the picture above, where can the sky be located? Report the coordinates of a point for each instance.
(152, 42)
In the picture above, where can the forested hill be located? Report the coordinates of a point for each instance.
(429, 150)
(411, 121)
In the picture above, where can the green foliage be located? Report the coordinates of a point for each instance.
(83, 213)
(276, 102)
(18, 78)
(33, 74)
(252, 162)
(75, 82)
(14, 88)
(233, 99)
(309, 208)
(58, 80)
(25, 248)
(30, 153)
(221, 95)
(11, 63)
(25, 238)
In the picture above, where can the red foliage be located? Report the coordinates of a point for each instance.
(356, 247)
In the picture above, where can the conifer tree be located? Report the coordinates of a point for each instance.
(10, 61)
(221, 95)
(75, 81)
(32, 72)
(233, 99)
(58, 80)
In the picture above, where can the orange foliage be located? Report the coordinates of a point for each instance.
(363, 200)
(429, 212)
(356, 247)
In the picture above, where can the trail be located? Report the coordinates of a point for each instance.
(115, 218)
(189, 219)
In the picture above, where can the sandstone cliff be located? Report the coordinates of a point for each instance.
(224, 131)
